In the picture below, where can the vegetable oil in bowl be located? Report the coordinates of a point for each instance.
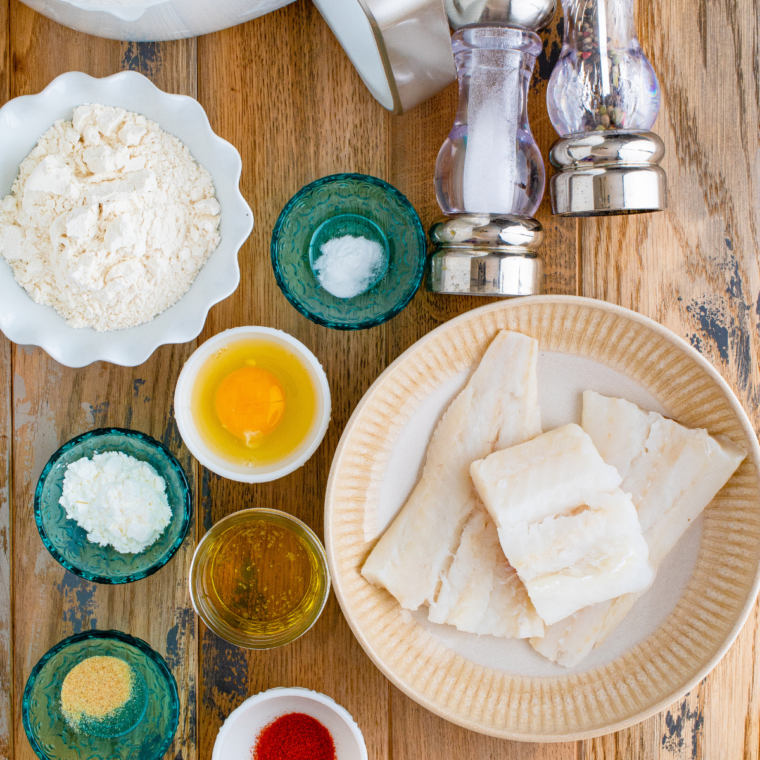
(259, 578)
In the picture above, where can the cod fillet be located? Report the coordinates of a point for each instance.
(564, 524)
(499, 404)
(672, 474)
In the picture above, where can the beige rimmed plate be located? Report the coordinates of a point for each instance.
(674, 635)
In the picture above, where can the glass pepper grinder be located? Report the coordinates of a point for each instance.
(603, 99)
(489, 175)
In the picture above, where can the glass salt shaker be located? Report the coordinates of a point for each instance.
(490, 162)
(603, 99)
(489, 175)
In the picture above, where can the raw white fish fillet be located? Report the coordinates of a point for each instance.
(499, 404)
(548, 475)
(672, 473)
(570, 533)
(481, 593)
(568, 562)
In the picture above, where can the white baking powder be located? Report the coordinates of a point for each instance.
(109, 220)
(349, 265)
(119, 500)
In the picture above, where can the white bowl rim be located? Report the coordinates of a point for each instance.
(187, 429)
(77, 353)
(131, 12)
(289, 691)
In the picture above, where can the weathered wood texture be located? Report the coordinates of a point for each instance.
(6, 447)
(695, 269)
(6, 549)
(299, 115)
(281, 89)
(52, 404)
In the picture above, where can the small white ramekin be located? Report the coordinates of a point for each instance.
(207, 456)
(238, 735)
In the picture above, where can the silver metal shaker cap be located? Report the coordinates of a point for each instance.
(486, 255)
(528, 14)
(607, 173)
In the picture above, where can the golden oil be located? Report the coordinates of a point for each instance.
(260, 578)
(293, 378)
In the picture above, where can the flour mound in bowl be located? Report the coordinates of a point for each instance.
(109, 220)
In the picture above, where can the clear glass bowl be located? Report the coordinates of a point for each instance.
(68, 543)
(224, 620)
(342, 195)
(53, 739)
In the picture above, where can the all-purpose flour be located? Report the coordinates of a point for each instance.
(109, 220)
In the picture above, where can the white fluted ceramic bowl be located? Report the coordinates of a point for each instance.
(24, 120)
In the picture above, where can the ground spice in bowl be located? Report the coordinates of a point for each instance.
(295, 736)
(95, 689)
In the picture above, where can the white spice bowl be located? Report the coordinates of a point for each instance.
(24, 120)
(208, 457)
(238, 734)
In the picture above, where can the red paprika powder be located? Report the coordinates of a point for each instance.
(295, 736)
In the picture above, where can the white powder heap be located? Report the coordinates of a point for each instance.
(491, 182)
(109, 220)
(119, 500)
(349, 265)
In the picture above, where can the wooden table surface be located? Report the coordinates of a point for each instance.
(283, 92)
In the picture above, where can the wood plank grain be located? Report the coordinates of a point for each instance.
(6, 552)
(53, 403)
(695, 269)
(417, 137)
(295, 116)
(418, 733)
(560, 246)
(6, 444)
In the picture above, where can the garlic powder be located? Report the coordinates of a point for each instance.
(109, 220)
(119, 500)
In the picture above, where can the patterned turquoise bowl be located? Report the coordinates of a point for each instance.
(349, 198)
(68, 543)
(154, 725)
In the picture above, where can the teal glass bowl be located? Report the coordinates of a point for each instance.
(68, 543)
(154, 724)
(360, 205)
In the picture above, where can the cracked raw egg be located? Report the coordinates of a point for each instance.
(255, 401)
(250, 403)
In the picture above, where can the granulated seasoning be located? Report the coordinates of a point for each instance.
(294, 736)
(95, 689)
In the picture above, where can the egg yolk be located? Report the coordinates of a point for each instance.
(250, 404)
